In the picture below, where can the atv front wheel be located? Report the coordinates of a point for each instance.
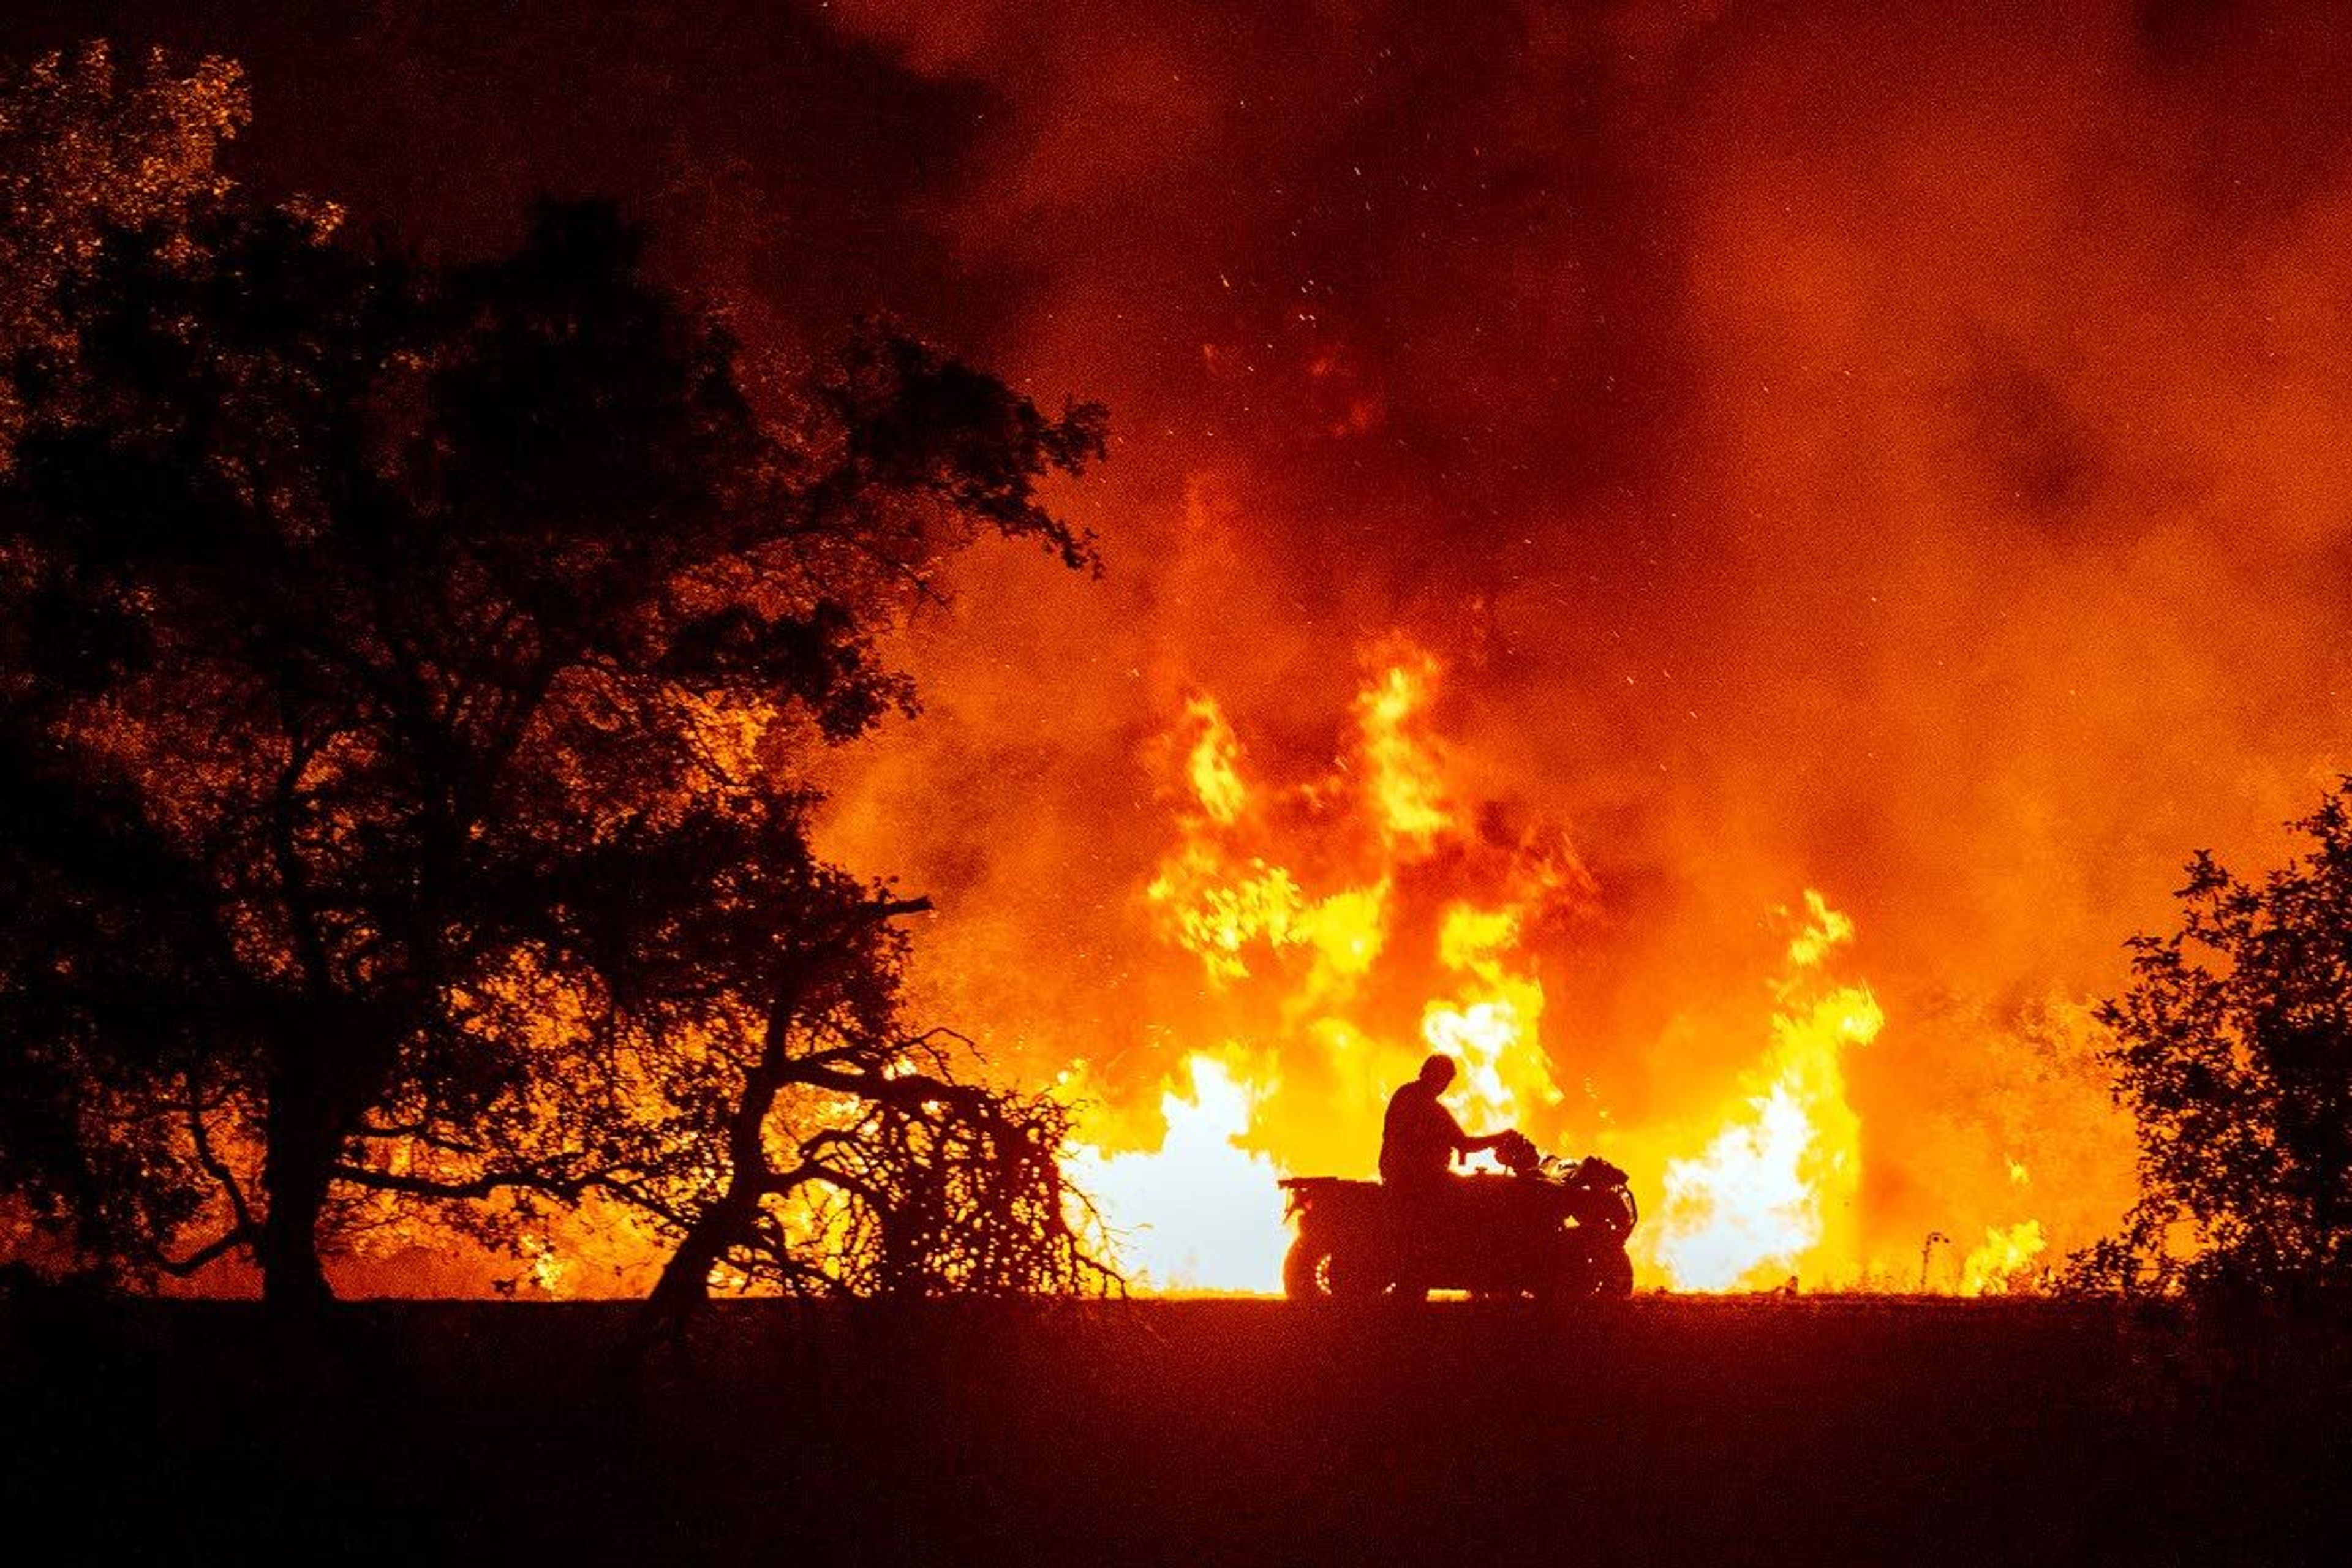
(1612, 1274)
(1606, 1275)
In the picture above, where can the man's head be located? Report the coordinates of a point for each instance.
(1437, 1072)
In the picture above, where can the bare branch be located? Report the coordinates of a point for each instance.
(206, 1255)
(212, 1163)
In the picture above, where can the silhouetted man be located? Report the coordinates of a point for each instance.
(1419, 1140)
(1419, 1137)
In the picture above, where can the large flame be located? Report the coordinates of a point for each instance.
(1344, 924)
(1760, 1199)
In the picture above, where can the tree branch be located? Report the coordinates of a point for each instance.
(212, 1163)
(210, 1253)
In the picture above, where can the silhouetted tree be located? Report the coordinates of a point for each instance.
(406, 677)
(2233, 1050)
(836, 1154)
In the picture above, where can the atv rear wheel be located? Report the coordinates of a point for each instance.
(1314, 1271)
(1305, 1271)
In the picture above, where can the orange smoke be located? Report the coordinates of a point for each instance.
(1885, 452)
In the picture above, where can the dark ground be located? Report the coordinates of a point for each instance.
(1665, 1431)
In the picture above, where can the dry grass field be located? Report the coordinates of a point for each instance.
(1666, 1431)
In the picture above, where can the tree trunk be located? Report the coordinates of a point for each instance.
(294, 1178)
(686, 1278)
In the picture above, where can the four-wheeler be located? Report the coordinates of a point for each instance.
(1549, 1227)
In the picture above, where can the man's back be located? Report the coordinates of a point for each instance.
(1418, 1136)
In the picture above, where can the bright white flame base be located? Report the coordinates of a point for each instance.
(1199, 1213)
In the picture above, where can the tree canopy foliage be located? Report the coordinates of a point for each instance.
(85, 151)
(407, 673)
(2233, 1050)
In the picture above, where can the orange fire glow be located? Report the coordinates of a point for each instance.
(1341, 924)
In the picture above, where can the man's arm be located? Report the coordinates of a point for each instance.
(1463, 1144)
